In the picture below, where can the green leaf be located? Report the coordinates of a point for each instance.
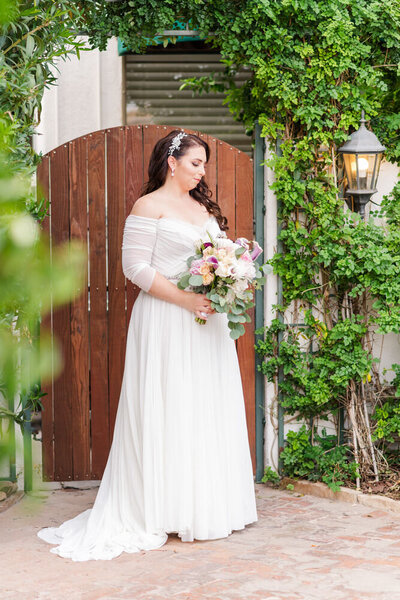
(219, 308)
(30, 44)
(213, 297)
(195, 280)
(235, 333)
(183, 283)
(236, 318)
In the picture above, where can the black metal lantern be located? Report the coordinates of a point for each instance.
(362, 155)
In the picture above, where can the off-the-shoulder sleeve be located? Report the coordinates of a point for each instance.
(137, 248)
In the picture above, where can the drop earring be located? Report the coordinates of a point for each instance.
(172, 172)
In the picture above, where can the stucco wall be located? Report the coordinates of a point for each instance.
(88, 96)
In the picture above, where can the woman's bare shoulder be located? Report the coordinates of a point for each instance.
(147, 206)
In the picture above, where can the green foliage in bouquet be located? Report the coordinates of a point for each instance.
(219, 291)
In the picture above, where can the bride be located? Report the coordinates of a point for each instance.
(180, 459)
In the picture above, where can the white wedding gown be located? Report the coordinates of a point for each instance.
(180, 458)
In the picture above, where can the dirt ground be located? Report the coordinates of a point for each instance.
(301, 548)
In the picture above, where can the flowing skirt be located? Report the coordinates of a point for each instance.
(180, 458)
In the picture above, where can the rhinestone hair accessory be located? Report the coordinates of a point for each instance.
(176, 142)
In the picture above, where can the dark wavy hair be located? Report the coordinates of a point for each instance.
(158, 168)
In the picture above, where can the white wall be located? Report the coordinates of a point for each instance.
(88, 96)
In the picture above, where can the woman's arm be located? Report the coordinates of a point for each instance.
(165, 290)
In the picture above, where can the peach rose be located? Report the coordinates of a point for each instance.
(208, 278)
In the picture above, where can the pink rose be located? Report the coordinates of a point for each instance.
(196, 266)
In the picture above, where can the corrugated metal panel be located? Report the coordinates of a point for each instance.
(153, 96)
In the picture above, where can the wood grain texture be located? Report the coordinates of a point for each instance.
(116, 280)
(100, 433)
(226, 184)
(62, 403)
(79, 316)
(43, 187)
(134, 177)
(245, 344)
(211, 167)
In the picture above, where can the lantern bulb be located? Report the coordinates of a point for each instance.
(362, 164)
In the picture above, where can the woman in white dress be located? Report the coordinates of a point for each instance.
(180, 458)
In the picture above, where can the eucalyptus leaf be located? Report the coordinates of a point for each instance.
(195, 280)
(184, 281)
(237, 318)
(219, 308)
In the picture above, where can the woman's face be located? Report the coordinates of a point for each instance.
(189, 168)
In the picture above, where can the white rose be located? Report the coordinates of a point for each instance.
(225, 243)
(223, 270)
(240, 286)
(244, 269)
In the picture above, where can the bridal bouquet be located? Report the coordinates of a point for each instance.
(227, 272)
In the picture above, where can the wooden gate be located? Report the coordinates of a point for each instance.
(92, 183)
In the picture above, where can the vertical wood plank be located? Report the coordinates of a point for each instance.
(245, 344)
(116, 280)
(79, 317)
(43, 190)
(151, 134)
(211, 167)
(133, 187)
(98, 342)
(63, 421)
(226, 182)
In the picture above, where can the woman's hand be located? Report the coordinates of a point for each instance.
(199, 304)
(166, 290)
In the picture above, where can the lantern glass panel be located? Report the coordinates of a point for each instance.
(376, 172)
(362, 170)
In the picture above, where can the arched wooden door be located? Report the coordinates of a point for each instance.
(92, 183)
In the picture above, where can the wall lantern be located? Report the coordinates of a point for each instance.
(362, 155)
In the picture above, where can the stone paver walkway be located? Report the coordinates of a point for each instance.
(301, 548)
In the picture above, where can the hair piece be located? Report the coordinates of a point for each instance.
(158, 169)
(176, 142)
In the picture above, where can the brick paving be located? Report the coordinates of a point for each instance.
(301, 548)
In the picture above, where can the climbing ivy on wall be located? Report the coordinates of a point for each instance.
(315, 65)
